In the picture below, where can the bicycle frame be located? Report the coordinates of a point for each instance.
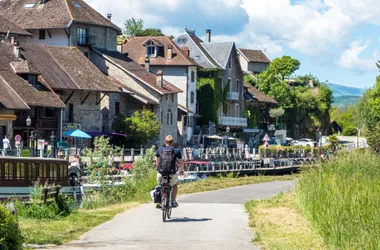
(166, 190)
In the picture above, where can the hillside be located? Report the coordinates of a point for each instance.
(345, 101)
(340, 90)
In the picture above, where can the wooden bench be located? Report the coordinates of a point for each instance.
(50, 194)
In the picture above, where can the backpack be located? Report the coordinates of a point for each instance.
(167, 161)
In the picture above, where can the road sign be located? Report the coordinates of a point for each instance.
(266, 138)
(18, 138)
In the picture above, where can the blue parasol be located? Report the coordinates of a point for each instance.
(77, 133)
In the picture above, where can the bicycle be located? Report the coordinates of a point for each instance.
(166, 201)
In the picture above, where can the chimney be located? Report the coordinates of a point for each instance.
(147, 63)
(13, 41)
(208, 35)
(43, 1)
(109, 16)
(311, 83)
(186, 50)
(170, 52)
(17, 51)
(159, 78)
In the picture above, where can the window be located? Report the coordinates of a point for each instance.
(151, 49)
(117, 108)
(86, 54)
(171, 118)
(42, 34)
(32, 79)
(192, 97)
(162, 117)
(237, 110)
(221, 82)
(229, 63)
(167, 119)
(172, 97)
(76, 4)
(237, 86)
(70, 113)
(29, 5)
(81, 36)
(229, 84)
(192, 76)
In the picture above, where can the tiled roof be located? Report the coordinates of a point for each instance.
(136, 50)
(220, 52)
(30, 94)
(138, 71)
(9, 99)
(7, 26)
(15, 92)
(254, 55)
(259, 96)
(52, 14)
(67, 68)
(24, 67)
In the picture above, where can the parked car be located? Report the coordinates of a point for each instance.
(307, 142)
(290, 141)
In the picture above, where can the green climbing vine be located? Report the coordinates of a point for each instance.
(210, 95)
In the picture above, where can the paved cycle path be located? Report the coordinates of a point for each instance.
(209, 220)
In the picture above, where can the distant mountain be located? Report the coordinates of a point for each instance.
(345, 101)
(340, 90)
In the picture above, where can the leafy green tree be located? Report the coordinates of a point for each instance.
(333, 142)
(276, 113)
(144, 125)
(133, 27)
(284, 66)
(151, 32)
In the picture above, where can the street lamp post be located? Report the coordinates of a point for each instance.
(28, 123)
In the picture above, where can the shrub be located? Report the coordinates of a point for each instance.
(350, 131)
(10, 235)
(341, 199)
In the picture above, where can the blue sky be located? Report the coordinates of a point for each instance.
(336, 40)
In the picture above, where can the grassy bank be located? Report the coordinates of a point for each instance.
(278, 224)
(215, 183)
(341, 199)
(68, 228)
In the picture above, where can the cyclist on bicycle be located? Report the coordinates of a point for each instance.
(169, 155)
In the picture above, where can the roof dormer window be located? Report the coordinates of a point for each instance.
(76, 4)
(151, 49)
(29, 5)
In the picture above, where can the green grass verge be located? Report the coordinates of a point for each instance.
(278, 224)
(69, 228)
(215, 183)
(341, 198)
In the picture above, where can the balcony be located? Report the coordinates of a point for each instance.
(233, 96)
(83, 39)
(46, 123)
(233, 121)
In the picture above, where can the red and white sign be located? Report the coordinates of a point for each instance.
(266, 138)
(18, 138)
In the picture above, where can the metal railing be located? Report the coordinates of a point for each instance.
(233, 121)
(233, 96)
(84, 39)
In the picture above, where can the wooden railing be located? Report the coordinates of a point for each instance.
(25, 171)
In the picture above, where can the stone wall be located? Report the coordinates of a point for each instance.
(88, 114)
(104, 37)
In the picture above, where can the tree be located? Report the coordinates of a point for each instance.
(144, 125)
(276, 113)
(151, 32)
(284, 66)
(133, 27)
(333, 142)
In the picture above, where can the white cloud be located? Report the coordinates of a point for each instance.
(350, 58)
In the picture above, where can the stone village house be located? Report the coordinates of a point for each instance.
(160, 53)
(69, 31)
(223, 58)
(25, 94)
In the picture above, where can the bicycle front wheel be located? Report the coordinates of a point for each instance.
(164, 214)
(169, 213)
